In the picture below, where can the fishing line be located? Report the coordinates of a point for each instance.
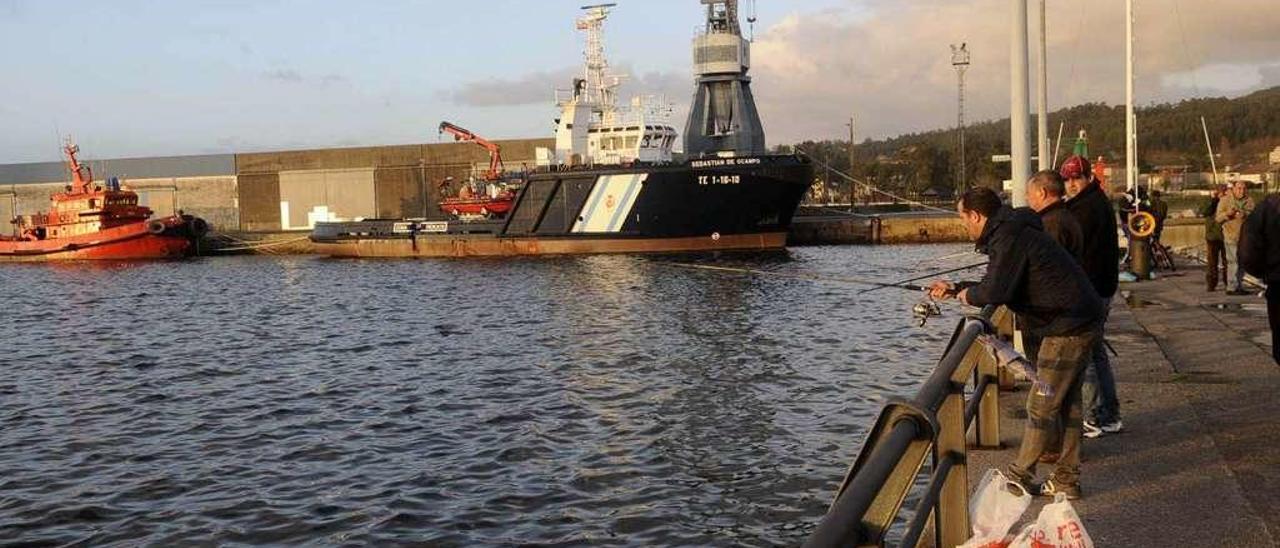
(799, 276)
(931, 275)
(952, 256)
(866, 185)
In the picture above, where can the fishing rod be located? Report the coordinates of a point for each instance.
(929, 275)
(813, 277)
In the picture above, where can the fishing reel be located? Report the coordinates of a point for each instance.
(924, 310)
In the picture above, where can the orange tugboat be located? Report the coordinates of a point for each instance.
(91, 222)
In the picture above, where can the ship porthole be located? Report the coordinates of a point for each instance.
(715, 236)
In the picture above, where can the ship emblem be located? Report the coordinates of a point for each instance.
(608, 203)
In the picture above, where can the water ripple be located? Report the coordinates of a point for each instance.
(567, 401)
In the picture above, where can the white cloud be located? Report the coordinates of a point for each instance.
(888, 63)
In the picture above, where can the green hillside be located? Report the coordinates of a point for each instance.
(1243, 129)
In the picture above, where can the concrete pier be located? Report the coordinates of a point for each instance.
(1199, 461)
(888, 228)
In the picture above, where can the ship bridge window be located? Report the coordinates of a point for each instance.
(631, 141)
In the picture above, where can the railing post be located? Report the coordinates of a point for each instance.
(987, 423)
(952, 512)
(1006, 325)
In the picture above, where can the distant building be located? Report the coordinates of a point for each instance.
(1275, 157)
(277, 191)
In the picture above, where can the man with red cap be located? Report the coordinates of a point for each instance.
(1101, 262)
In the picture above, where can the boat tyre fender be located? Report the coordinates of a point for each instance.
(198, 227)
(1142, 224)
(156, 227)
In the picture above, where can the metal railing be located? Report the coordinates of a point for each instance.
(933, 425)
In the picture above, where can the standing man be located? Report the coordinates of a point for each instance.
(1101, 262)
(1159, 210)
(1045, 194)
(1041, 283)
(1232, 209)
(1260, 257)
(1213, 249)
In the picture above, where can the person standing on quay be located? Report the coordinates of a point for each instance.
(1042, 283)
(1260, 257)
(1159, 210)
(1101, 262)
(1232, 210)
(1045, 194)
(1213, 250)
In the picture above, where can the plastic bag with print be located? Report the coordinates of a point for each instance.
(1057, 527)
(997, 504)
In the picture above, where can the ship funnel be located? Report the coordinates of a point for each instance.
(722, 119)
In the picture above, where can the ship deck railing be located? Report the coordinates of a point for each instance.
(937, 427)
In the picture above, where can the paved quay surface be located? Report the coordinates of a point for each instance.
(1199, 461)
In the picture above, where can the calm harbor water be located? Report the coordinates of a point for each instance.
(605, 400)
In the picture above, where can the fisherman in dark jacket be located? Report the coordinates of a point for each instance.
(1041, 282)
(1045, 193)
(1215, 251)
(1089, 203)
(1260, 257)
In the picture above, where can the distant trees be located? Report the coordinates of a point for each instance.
(1243, 130)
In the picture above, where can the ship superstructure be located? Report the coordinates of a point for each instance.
(593, 129)
(723, 120)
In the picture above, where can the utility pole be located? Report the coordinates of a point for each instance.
(850, 124)
(1042, 99)
(1020, 111)
(960, 62)
(1130, 122)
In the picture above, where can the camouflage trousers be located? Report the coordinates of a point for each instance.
(1060, 362)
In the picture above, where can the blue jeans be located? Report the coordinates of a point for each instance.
(1102, 406)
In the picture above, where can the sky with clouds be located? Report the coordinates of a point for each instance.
(153, 77)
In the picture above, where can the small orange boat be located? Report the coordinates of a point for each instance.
(479, 206)
(90, 222)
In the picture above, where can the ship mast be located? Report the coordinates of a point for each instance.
(81, 175)
(601, 87)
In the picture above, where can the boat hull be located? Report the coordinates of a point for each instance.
(701, 205)
(167, 238)
(423, 246)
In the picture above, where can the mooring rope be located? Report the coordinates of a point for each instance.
(870, 186)
(262, 245)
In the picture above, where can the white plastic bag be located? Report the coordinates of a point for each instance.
(997, 504)
(1057, 527)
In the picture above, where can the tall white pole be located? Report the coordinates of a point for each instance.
(1130, 122)
(1042, 99)
(1019, 127)
(1208, 144)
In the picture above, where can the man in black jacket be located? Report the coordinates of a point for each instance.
(1101, 262)
(1045, 193)
(1042, 283)
(1260, 257)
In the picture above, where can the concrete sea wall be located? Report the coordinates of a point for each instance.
(880, 229)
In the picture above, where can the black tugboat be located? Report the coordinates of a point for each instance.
(611, 185)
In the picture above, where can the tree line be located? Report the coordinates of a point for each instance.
(1243, 131)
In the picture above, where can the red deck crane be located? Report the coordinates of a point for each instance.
(495, 152)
